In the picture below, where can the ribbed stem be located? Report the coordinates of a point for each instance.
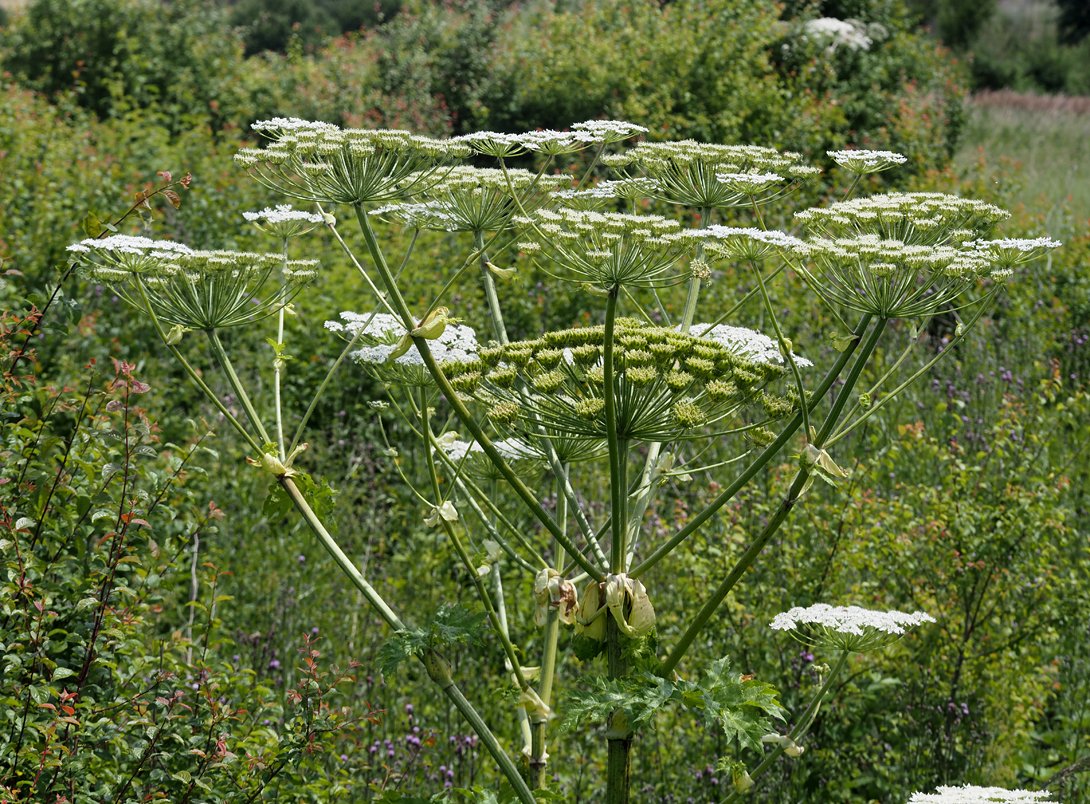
(527, 496)
(750, 555)
(758, 463)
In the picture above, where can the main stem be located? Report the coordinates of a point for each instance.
(619, 732)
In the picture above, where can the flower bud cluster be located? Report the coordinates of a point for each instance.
(667, 384)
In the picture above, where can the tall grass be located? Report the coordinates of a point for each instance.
(1047, 141)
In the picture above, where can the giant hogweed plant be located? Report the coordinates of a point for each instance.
(638, 399)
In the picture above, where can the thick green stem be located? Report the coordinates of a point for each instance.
(538, 754)
(618, 488)
(236, 385)
(619, 730)
(758, 463)
(439, 671)
(803, 724)
(342, 560)
(525, 494)
(493, 299)
(797, 486)
(278, 367)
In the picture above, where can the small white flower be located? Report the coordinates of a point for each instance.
(970, 794)
(835, 33)
(867, 161)
(847, 628)
(748, 343)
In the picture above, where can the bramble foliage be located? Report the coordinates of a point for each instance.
(102, 530)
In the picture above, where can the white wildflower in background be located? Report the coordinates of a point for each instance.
(847, 628)
(970, 794)
(864, 161)
(834, 33)
(747, 343)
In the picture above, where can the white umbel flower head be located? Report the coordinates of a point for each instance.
(970, 794)
(189, 289)
(471, 456)
(284, 221)
(469, 199)
(747, 343)
(711, 176)
(607, 249)
(321, 162)
(847, 628)
(865, 161)
(834, 33)
(381, 332)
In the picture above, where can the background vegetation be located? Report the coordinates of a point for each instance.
(164, 634)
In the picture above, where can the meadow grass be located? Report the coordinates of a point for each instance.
(1045, 140)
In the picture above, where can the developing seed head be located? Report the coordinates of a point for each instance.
(549, 381)
(504, 412)
(647, 383)
(688, 414)
(590, 408)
